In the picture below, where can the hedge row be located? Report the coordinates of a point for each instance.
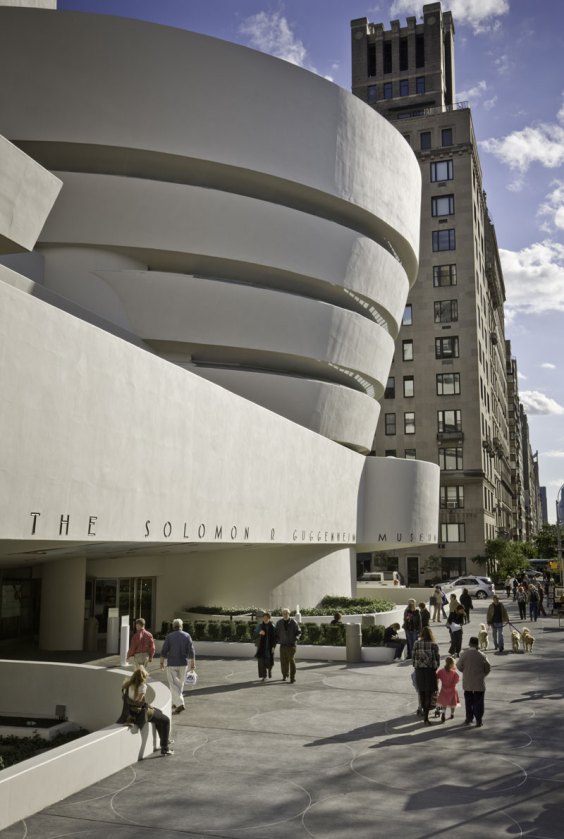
(15, 749)
(328, 605)
(244, 632)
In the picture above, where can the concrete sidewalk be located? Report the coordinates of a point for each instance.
(339, 754)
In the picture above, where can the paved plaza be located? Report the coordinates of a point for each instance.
(341, 753)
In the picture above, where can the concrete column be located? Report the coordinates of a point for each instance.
(353, 639)
(61, 623)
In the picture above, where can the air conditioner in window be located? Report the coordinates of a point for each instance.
(451, 505)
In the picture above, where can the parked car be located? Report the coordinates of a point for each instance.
(478, 586)
(534, 575)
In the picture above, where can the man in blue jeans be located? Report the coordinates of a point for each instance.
(534, 602)
(496, 618)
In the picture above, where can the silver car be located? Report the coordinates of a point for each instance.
(478, 586)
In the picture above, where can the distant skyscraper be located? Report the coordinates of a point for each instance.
(447, 399)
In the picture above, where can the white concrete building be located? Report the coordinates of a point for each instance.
(193, 350)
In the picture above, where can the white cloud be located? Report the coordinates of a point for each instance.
(554, 454)
(542, 143)
(553, 207)
(534, 278)
(479, 14)
(548, 366)
(490, 103)
(536, 402)
(271, 33)
(473, 94)
(521, 376)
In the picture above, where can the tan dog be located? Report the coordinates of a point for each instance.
(527, 640)
(483, 636)
(515, 640)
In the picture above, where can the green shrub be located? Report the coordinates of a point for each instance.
(213, 631)
(16, 749)
(314, 633)
(226, 630)
(372, 636)
(333, 636)
(200, 630)
(242, 633)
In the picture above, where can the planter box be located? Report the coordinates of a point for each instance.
(306, 652)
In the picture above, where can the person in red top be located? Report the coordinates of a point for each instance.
(142, 645)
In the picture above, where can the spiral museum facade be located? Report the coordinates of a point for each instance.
(194, 349)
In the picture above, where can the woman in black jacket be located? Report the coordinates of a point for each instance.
(466, 601)
(266, 635)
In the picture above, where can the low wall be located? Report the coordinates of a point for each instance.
(306, 652)
(380, 618)
(92, 696)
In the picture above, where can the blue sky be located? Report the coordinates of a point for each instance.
(509, 67)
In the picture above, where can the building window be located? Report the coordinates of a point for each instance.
(390, 392)
(390, 424)
(444, 275)
(409, 422)
(404, 87)
(388, 90)
(403, 53)
(442, 205)
(425, 140)
(452, 498)
(371, 60)
(420, 84)
(442, 170)
(387, 56)
(446, 311)
(452, 533)
(419, 50)
(449, 421)
(390, 453)
(446, 347)
(371, 94)
(410, 454)
(407, 319)
(446, 137)
(407, 350)
(450, 459)
(444, 240)
(408, 386)
(448, 384)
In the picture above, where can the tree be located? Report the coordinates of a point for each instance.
(506, 559)
(546, 542)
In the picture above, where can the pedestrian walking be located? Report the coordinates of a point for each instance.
(266, 642)
(448, 694)
(466, 602)
(474, 667)
(178, 651)
(142, 645)
(424, 615)
(521, 597)
(287, 634)
(426, 661)
(411, 625)
(435, 605)
(455, 622)
(496, 617)
(534, 601)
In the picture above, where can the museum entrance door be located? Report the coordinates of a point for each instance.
(133, 596)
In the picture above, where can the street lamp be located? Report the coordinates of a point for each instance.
(559, 534)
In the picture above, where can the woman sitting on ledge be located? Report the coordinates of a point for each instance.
(137, 712)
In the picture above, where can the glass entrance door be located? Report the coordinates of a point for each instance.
(412, 570)
(133, 596)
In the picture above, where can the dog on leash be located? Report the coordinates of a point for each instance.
(527, 640)
(515, 640)
(483, 636)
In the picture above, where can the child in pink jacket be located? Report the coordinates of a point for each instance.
(448, 694)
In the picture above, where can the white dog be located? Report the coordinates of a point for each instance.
(515, 640)
(483, 636)
(527, 640)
